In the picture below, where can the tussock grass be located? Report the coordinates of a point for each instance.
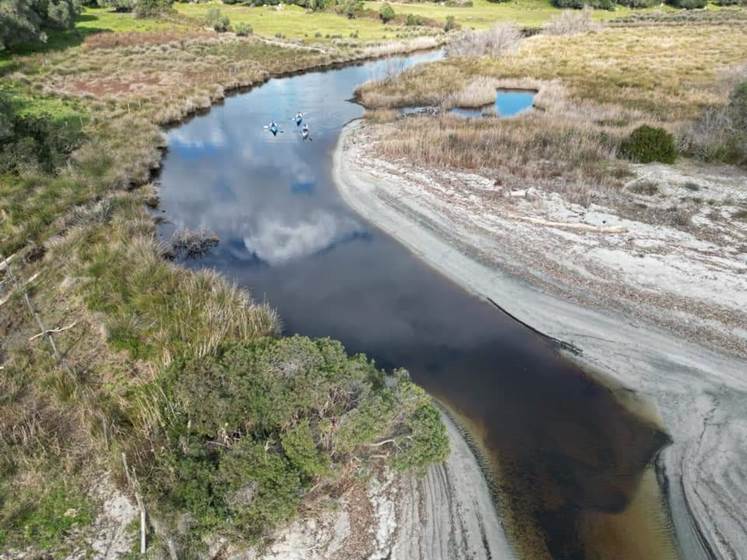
(554, 153)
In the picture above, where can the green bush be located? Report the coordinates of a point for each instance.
(575, 4)
(119, 5)
(217, 20)
(243, 29)
(151, 8)
(450, 24)
(386, 13)
(646, 144)
(729, 2)
(688, 4)
(413, 20)
(245, 432)
(601, 4)
(351, 8)
(639, 3)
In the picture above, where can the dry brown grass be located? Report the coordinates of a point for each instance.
(669, 73)
(528, 151)
(571, 22)
(496, 41)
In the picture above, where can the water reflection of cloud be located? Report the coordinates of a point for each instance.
(199, 137)
(277, 241)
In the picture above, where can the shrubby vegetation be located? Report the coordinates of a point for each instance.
(243, 29)
(688, 4)
(26, 21)
(720, 134)
(647, 144)
(386, 13)
(217, 20)
(243, 433)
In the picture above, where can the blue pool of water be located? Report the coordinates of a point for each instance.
(508, 103)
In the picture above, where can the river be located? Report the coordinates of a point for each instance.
(566, 455)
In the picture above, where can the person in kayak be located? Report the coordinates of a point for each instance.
(298, 118)
(305, 132)
(273, 127)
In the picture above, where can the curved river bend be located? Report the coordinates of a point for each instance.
(569, 458)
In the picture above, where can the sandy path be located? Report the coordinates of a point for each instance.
(700, 393)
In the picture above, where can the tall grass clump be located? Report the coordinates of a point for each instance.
(496, 41)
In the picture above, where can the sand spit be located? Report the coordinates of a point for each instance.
(446, 515)
(641, 302)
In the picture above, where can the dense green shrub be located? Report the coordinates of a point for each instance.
(386, 13)
(25, 21)
(119, 5)
(151, 8)
(730, 2)
(351, 8)
(575, 4)
(217, 20)
(720, 134)
(243, 29)
(646, 144)
(639, 3)
(688, 4)
(450, 24)
(244, 433)
(601, 4)
(414, 20)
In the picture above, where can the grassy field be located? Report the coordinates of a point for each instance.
(527, 13)
(671, 75)
(296, 23)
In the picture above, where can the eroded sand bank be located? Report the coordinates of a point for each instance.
(650, 346)
(447, 514)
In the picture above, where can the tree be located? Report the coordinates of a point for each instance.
(386, 13)
(25, 21)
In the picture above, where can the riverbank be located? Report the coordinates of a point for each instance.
(81, 262)
(509, 258)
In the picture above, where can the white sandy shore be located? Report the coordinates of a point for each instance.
(701, 394)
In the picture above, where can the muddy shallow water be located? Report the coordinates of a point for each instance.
(568, 456)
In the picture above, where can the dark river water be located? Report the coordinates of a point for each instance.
(563, 449)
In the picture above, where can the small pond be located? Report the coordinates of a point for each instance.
(508, 103)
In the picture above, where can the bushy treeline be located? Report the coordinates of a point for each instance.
(243, 434)
(610, 4)
(26, 21)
